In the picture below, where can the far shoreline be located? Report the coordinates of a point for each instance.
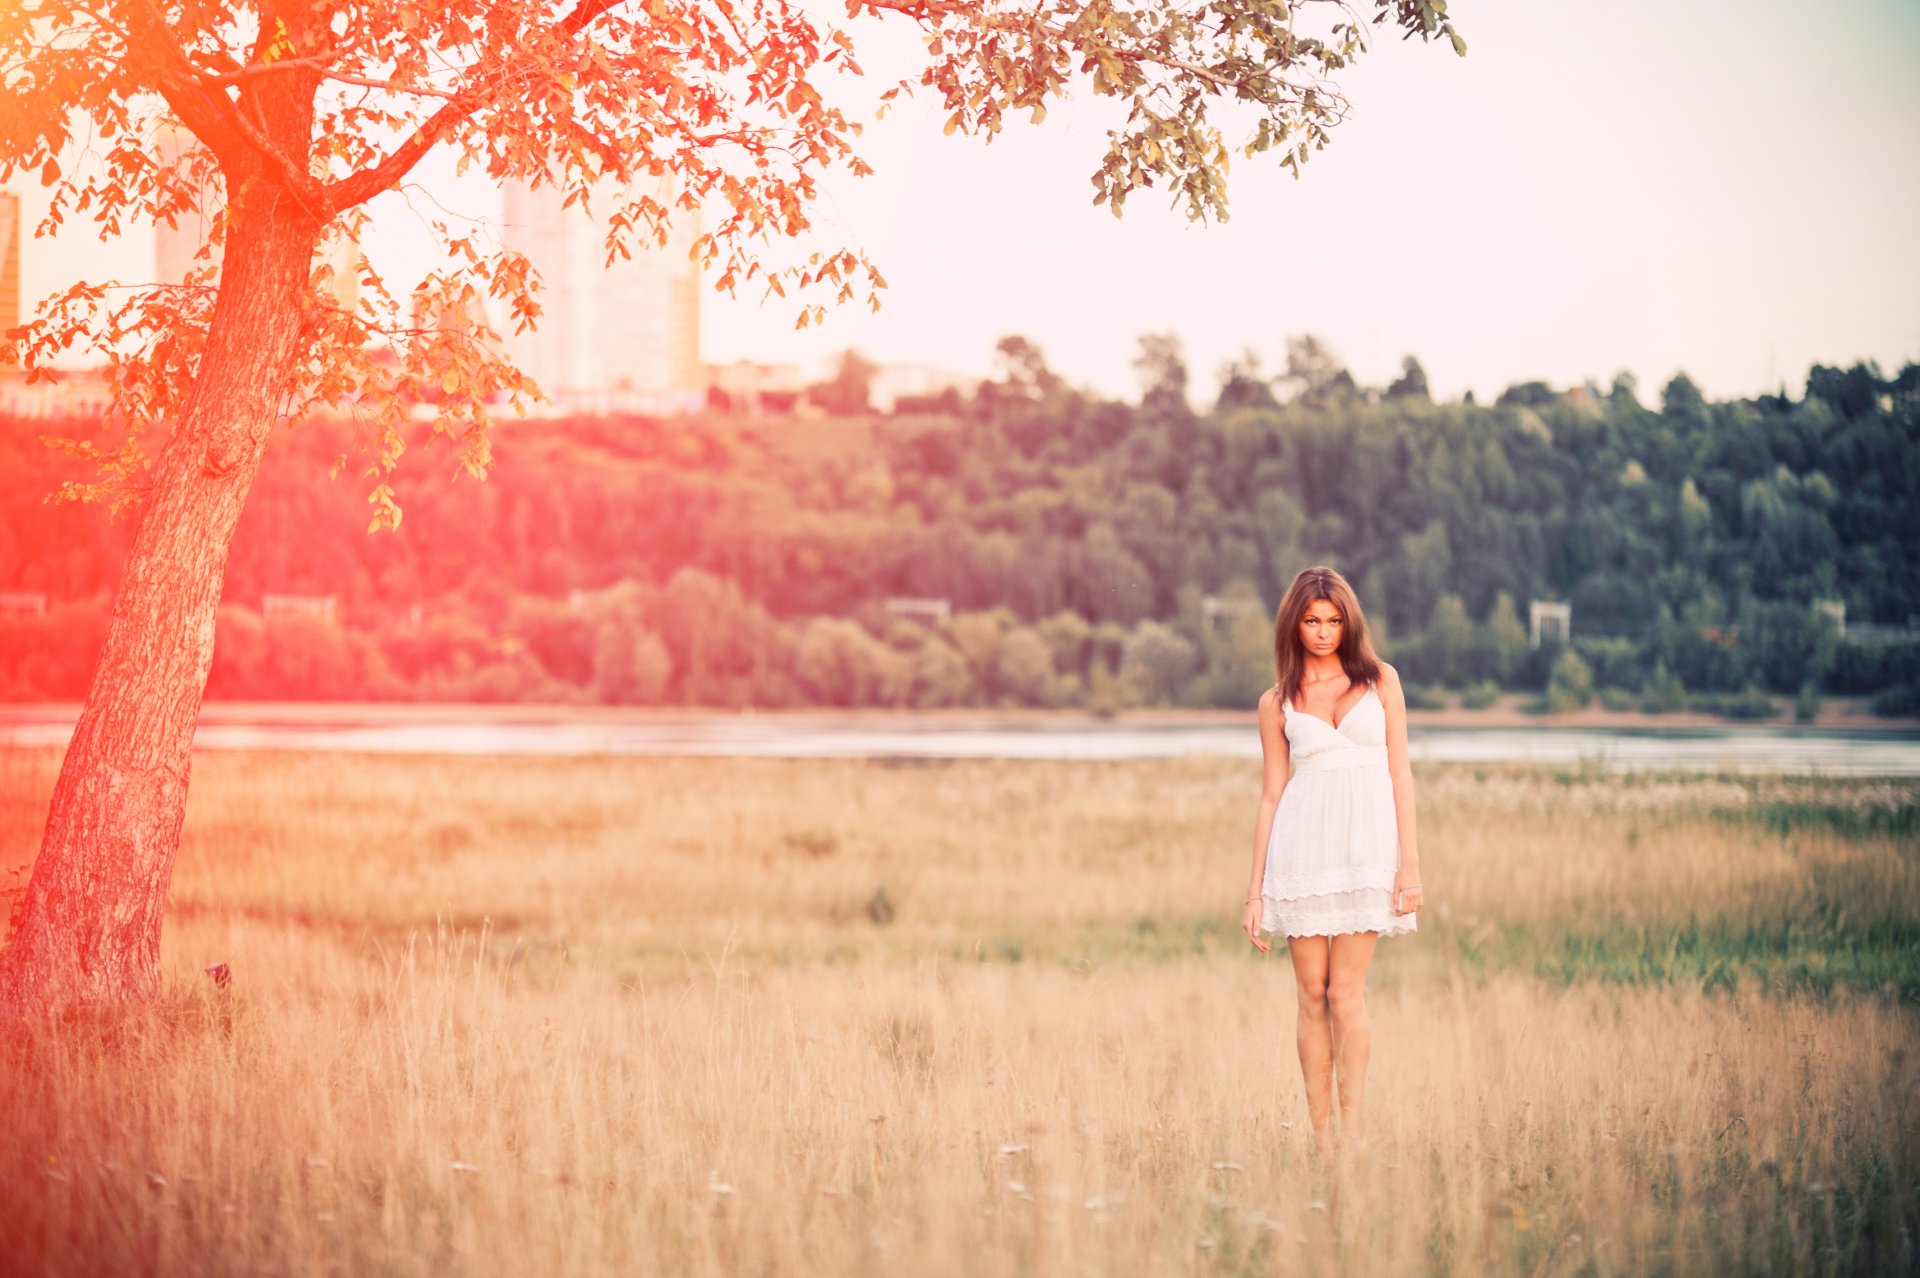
(1836, 714)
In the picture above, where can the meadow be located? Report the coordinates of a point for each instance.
(713, 1016)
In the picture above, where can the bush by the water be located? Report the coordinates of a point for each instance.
(1752, 702)
(1479, 696)
(1903, 699)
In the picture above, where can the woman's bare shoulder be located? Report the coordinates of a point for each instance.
(1389, 677)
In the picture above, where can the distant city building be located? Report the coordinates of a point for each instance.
(747, 386)
(340, 250)
(934, 612)
(176, 246)
(755, 388)
(895, 382)
(72, 393)
(9, 260)
(612, 337)
(321, 606)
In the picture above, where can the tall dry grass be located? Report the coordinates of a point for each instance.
(736, 1016)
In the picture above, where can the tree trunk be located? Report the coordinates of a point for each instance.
(90, 925)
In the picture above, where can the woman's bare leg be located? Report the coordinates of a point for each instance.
(1313, 1032)
(1346, 996)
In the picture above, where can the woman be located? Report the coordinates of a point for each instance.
(1335, 866)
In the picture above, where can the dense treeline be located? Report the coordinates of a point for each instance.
(1076, 539)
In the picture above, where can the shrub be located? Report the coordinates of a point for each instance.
(1901, 699)
(1751, 702)
(1867, 668)
(1569, 683)
(1663, 691)
(1480, 695)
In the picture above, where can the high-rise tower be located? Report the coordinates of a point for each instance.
(174, 246)
(610, 337)
(9, 261)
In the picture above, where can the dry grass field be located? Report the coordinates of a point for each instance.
(766, 1017)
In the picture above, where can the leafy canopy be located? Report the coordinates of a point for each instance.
(663, 106)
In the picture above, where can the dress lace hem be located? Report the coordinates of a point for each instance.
(1310, 916)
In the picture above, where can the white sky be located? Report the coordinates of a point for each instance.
(1729, 187)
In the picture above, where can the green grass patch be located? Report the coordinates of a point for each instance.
(1854, 818)
(1783, 954)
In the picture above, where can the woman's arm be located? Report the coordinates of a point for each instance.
(1273, 780)
(1394, 699)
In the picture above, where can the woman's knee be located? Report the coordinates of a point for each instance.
(1313, 998)
(1346, 998)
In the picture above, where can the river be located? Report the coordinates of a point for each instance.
(420, 729)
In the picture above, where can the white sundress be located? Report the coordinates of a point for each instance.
(1335, 843)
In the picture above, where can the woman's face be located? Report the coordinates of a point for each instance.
(1320, 628)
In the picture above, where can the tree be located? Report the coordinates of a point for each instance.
(1242, 386)
(1315, 374)
(1450, 638)
(1158, 660)
(1412, 382)
(1569, 683)
(849, 392)
(301, 112)
(1507, 639)
(1024, 668)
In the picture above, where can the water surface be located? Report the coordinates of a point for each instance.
(425, 730)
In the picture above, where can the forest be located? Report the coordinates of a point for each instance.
(1082, 551)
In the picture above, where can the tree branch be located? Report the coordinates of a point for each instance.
(193, 95)
(923, 10)
(258, 69)
(359, 187)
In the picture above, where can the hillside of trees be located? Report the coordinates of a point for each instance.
(1092, 552)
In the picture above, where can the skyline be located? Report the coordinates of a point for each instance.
(1744, 218)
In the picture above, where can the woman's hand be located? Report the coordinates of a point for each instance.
(1251, 924)
(1407, 896)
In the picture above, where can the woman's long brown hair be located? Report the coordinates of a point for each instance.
(1290, 656)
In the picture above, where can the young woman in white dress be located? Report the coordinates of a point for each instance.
(1335, 864)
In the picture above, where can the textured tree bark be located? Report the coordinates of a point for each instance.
(90, 924)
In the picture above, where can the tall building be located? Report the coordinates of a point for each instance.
(174, 246)
(340, 250)
(618, 337)
(9, 261)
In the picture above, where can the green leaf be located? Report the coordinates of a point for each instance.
(1459, 45)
